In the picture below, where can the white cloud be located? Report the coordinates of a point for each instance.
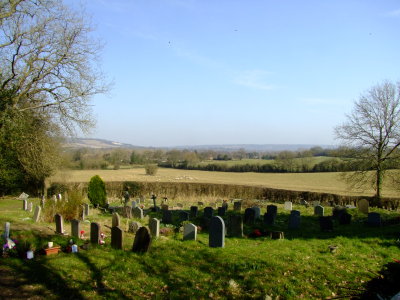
(254, 79)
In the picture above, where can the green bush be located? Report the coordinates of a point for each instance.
(56, 188)
(97, 191)
(134, 188)
(151, 169)
(70, 207)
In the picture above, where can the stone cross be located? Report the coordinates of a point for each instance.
(154, 225)
(116, 220)
(75, 228)
(142, 240)
(117, 237)
(189, 232)
(59, 223)
(154, 197)
(94, 233)
(36, 214)
(217, 232)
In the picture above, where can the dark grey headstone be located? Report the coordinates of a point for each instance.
(374, 219)
(167, 217)
(217, 232)
(235, 226)
(221, 211)
(75, 228)
(94, 233)
(154, 225)
(117, 237)
(363, 206)
(318, 211)
(225, 205)
(154, 198)
(237, 206)
(164, 207)
(189, 232)
(294, 219)
(194, 211)
(272, 209)
(249, 216)
(326, 223)
(337, 211)
(269, 218)
(208, 212)
(36, 214)
(345, 219)
(183, 216)
(138, 213)
(116, 220)
(59, 223)
(142, 240)
(257, 211)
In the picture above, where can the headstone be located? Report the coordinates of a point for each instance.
(164, 207)
(338, 211)
(82, 213)
(25, 204)
(318, 211)
(221, 211)
(134, 227)
(59, 197)
(200, 203)
(167, 217)
(36, 214)
(154, 225)
(133, 204)
(127, 212)
(154, 197)
(225, 205)
(235, 226)
(43, 201)
(363, 206)
(374, 219)
(142, 240)
(345, 219)
(288, 205)
(117, 237)
(116, 220)
(30, 206)
(257, 211)
(180, 205)
(194, 211)
(249, 216)
(277, 235)
(217, 232)
(272, 209)
(75, 228)
(237, 206)
(269, 218)
(183, 216)
(7, 230)
(23, 196)
(59, 224)
(315, 203)
(189, 232)
(165, 200)
(138, 213)
(126, 197)
(87, 209)
(208, 212)
(294, 219)
(326, 223)
(94, 233)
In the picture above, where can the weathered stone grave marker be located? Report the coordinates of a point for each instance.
(217, 232)
(25, 204)
(154, 225)
(326, 223)
(318, 211)
(269, 219)
(194, 211)
(363, 206)
(36, 214)
(94, 233)
(7, 230)
(75, 228)
(374, 219)
(133, 204)
(183, 216)
(87, 209)
(43, 201)
(116, 220)
(127, 212)
(249, 216)
(257, 211)
(167, 217)
(138, 213)
(30, 206)
(272, 209)
(288, 205)
(59, 224)
(208, 212)
(294, 219)
(117, 237)
(142, 240)
(189, 232)
(221, 211)
(134, 227)
(235, 226)
(237, 206)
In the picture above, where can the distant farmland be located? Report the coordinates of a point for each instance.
(313, 182)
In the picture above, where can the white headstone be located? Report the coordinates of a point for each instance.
(7, 230)
(23, 196)
(288, 205)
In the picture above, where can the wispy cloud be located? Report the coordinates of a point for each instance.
(255, 79)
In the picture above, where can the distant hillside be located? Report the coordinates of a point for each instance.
(96, 144)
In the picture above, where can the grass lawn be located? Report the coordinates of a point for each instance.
(300, 266)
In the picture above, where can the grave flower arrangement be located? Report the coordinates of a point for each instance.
(82, 234)
(10, 247)
(102, 237)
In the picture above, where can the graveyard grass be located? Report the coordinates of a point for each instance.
(300, 266)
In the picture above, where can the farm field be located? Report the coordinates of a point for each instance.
(299, 266)
(314, 182)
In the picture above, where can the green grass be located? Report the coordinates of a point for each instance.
(301, 265)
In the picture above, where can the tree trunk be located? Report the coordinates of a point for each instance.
(378, 187)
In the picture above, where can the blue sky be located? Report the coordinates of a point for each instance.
(193, 72)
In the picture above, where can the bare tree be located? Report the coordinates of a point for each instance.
(373, 129)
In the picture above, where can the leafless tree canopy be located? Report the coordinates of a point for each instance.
(374, 129)
(49, 60)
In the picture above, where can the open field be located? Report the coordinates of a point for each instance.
(314, 182)
(300, 266)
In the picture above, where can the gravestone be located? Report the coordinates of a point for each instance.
(217, 232)
(294, 219)
(189, 232)
(164, 207)
(154, 198)
(315, 203)
(183, 216)
(225, 205)
(277, 235)
(36, 214)
(75, 228)
(326, 223)
(249, 216)
(165, 200)
(87, 209)
(363, 206)
(154, 225)
(221, 211)
(82, 213)
(23, 196)
(94, 233)
(208, 212)
(127, 212)
(133, 204)
(30, 206)
(7, 230)
(374, 219)
(180, 205)
(59, 197)
(117, 237)
(345, 219)
(142, 240)
(59, 224)
(200, 203)
(269, 218)
(235, 226)
(134, 227)
(116, 220)
(338, 211)
(318, 211)
(257, 211)
(167, 217)
(126, 197)
(43, 201)
(138, 213)
(25, 204)
(288, 205)
(142, 199)
(194, 211)
(272, 209)
(237, 206)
